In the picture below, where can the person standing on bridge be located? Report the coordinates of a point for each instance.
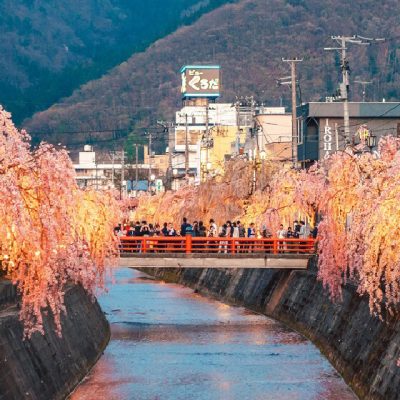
(213, 231)
(145, 230)
(137, 229)
(281, 234)
(202, 230)
(164, 230)
(186, 228)
(171, 230)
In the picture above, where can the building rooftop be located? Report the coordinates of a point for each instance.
(356, 109)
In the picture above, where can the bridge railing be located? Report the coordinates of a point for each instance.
(189, 245)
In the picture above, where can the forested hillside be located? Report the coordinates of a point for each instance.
(248, 39)
(49, 48)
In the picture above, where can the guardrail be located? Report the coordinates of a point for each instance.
(189, 245)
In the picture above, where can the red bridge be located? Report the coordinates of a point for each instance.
(215, 252)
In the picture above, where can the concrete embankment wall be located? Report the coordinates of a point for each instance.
(48, 367)
(362, 348)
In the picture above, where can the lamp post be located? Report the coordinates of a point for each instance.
(371, 141)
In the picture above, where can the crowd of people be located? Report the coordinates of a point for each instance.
(233, 229)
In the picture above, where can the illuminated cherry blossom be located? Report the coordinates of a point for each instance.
(51, 233)
(357, 195)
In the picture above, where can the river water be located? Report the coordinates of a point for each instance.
(169, 343)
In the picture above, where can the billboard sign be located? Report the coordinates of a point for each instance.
(200, 81)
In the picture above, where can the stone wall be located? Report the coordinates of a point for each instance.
(362, 348)
(48, 367)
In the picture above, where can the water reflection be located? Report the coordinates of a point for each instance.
(169, 343)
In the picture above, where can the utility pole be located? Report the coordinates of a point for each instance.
(149, 175)
(171, 146)
(207, 139)
(293, 63)
(97, 182)
(112, 171)
(345, 85)
(122, 173)
(186, 150)
(237, 144)
(169, 127)
(137, 166)
(364, 87)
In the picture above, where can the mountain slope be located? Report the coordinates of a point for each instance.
(50, 48)
(248, 40)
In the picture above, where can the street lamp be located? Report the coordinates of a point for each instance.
(371, 141)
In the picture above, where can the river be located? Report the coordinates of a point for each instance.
(169, 343)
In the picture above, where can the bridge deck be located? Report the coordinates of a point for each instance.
(215, 252)
(298, 261)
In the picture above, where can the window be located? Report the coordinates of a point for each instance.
(300, 130)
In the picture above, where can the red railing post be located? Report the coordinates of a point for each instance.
(275, 246)
(233, 245)
(144, 245)
(188, 244)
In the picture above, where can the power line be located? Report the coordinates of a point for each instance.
(343, 41)
(378, 116)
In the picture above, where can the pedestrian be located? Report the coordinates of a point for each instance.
(281, 234)
(314, 232)
(195, 228)
(242, 229)
(223, 243)
(290, 235)
(303, 230)
(229, 229)
(184, 226)
(131, 231)
(296, 229)
(303, 234)
(144, 229)
(164, 230)
(151, 230)
(137, 229)
(171, 230)
(251, 234)
(202, 229)
(212, 232)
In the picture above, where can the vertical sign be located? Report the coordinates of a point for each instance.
(327, 140)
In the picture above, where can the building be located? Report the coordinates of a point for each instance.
(321, 132)
(91, 173)
(274, 133)
(157, 163)
(207, 133)
(212, 133)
